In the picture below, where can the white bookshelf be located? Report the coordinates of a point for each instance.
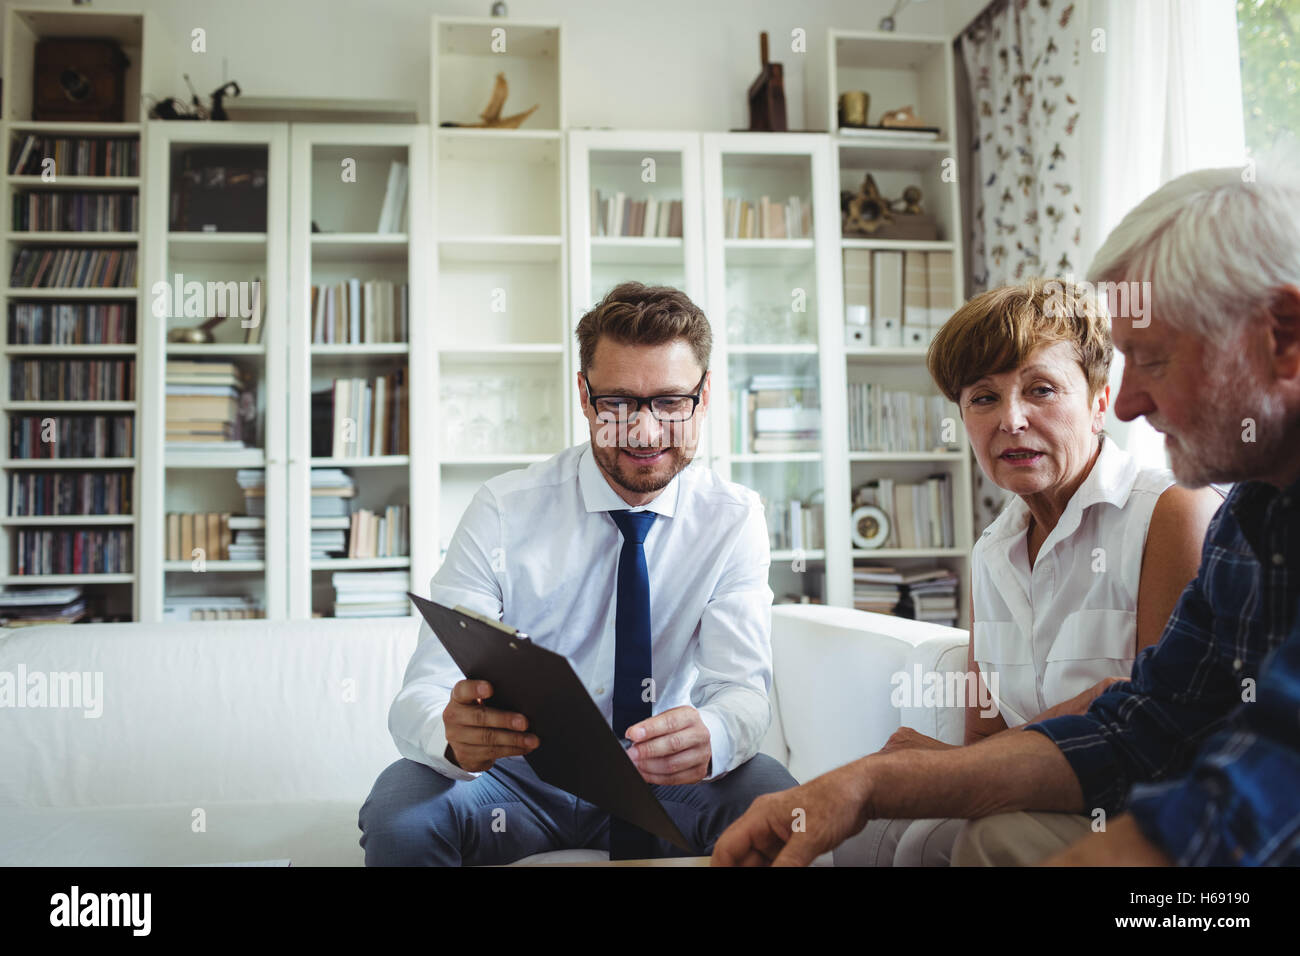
(349, 246)
(775, 305)
(664, 166)
(500, 377)
(202, 481)
(898, 70)
(113, 593)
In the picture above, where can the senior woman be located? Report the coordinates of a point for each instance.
(1085, 563)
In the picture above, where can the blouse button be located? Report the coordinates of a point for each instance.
(1279, 559)
(1237, 665)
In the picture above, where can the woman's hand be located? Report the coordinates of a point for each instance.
(905, 738)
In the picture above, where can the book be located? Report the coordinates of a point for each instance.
(887, 304)
(916, 304)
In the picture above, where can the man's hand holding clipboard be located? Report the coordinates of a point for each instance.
(479, 735)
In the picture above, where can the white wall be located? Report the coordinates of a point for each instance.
(654, 64)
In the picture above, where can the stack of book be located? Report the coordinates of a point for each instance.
(252, 482)
(767, 219)
(209, 533)
(39, 323)
(371, 593)
(331, 491)
(69, 493)
(76, 212)
(876, 588)
(357, 311)
(211, 608)
(882, 419)
(36, 437)
(778, 413)
(73, 267)
(75, 156)
(64, 380)
(920, 515)
(61, 605)
(617, 215)
(203, 400)
(930, 595)
(392, 215)
(369, 416)
(247, 544)
(374, 535)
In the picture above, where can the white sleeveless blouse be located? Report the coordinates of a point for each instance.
(1051, 633)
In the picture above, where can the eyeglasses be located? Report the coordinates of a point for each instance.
(665, 408)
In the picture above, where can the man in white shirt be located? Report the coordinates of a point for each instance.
(648, 575)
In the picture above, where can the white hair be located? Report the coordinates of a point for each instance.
(1214, 245)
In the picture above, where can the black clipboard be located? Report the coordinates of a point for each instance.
(578, 753)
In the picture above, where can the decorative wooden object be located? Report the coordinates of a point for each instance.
(767, 95)
(492, 118)
(868, 213)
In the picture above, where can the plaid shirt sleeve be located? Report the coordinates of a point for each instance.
(1240, 803)
(1182, 690)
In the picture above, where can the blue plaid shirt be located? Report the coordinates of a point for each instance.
(1227, 770)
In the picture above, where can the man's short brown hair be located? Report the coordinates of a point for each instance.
(998, 330)
(637, 314)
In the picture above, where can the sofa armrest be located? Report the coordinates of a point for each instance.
(835, 674)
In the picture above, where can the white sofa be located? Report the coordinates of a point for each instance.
(254, 740)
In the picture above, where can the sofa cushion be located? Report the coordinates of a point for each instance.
(307, 833)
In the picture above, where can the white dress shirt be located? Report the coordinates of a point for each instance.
(536, 550)
(1052, 632)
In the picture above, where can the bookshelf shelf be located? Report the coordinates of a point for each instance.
(801, 348)
(900, 155)
(369, 461)
(475, 461)
(771, 457)
(69, 351)
(906, 245)
(72, 520)
(367, 247)
(891, 355)
(68, 406)
(374, 350)
(87, 238)
(216, 567)
(75, 464)
(12, 579)
(789, 554)
(542, 353)
(250, 458)
(89, 129)
(358, 564)
(214, 349)
(910, 553)
(105, 293)
(906, 456)
(71, 182)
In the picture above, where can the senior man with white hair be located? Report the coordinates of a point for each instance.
(1200, 745)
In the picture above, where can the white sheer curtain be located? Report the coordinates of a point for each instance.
(1162, 96)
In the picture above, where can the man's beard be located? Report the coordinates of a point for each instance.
(1214, 446)
(641, 481)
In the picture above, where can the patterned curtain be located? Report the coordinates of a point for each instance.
(1024, 67)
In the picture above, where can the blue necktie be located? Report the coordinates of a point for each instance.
(631, 659)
